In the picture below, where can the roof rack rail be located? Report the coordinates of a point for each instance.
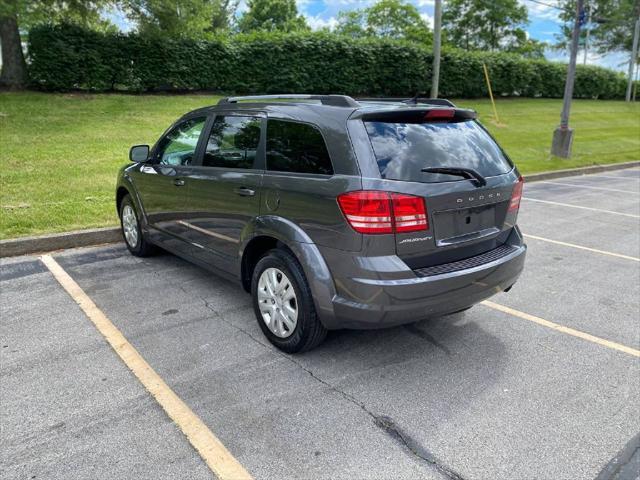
(332, 100)
(442, 102)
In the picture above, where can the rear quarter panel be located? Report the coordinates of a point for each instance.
(310, 202)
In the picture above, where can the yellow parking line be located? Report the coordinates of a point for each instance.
(212, 451)
(563, 329)
(580, 247)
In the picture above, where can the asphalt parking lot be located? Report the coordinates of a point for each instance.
(546, 388)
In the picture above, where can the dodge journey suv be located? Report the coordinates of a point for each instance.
(333, 213)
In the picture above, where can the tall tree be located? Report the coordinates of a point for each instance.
(18, 16)
(352, 23)
(14, 69)
(223, 14)
(610, 24)
(485, 25)
(386, 19)
(171, 18)
(272, 15)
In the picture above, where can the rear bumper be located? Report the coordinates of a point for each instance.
(366, 303)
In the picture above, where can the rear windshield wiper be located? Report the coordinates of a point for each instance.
(469, 173)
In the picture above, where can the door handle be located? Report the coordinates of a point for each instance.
(245, 192)
(178, 182)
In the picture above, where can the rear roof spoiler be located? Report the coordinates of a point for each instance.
(331, 100)
(441, 102)
(417, 115)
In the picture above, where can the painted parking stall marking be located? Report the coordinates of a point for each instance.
(599, 210)
(633, 179)
(562, 329)
(591, 187)
(208, 446)
(580, 247)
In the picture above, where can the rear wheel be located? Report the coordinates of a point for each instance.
(283, 303)
(131, 231)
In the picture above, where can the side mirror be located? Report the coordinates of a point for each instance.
(139, 153)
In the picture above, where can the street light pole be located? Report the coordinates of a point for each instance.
(563, 135)
(437, 41)
(632, 60)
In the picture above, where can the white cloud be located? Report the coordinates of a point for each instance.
(542, 12)
(333, 7)
(353, 3)
(614, 61)
(427, 18)
(317, 22)
(118, 17)
(242, 7)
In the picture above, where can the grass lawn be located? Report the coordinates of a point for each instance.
(59, 153)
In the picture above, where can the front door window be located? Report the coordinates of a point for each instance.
(178, 147)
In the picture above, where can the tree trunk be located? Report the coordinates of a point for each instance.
(14, 68)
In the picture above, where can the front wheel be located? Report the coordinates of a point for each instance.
(283, 303)
(131, 231)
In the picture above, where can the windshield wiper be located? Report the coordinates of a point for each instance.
(469, 173)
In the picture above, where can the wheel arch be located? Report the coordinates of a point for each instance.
(269, 232)
(121, 192)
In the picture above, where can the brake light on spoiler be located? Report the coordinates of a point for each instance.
(440, 114)
(377, 212)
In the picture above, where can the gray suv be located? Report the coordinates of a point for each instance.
(333, 213)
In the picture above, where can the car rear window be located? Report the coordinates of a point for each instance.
(403, 149)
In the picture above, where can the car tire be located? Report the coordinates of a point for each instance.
(308, 332)
(131, 231)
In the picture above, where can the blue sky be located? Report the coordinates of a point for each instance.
(544, 24)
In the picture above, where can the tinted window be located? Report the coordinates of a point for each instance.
(179, 145)
(296, 147)
(403, 149)
(233, 142)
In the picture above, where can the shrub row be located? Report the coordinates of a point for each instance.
(66, 57)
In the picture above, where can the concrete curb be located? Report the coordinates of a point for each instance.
(59, 241)
(570, 172)
(84, 238)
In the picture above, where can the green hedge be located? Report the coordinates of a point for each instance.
(66, 57)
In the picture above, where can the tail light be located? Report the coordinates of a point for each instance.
(383, 212)
(409, 213)
(516, 196)
(367, 211)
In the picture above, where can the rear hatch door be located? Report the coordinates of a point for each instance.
(445, 156)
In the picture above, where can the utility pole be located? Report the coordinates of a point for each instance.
(632, 60)
(563, 135)
(437, 41)
(635, 85)
(586, 36)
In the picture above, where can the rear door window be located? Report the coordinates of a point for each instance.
(233, 142)
(403, 149)
(296, 147)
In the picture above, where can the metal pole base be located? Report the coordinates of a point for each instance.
(562, 142)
